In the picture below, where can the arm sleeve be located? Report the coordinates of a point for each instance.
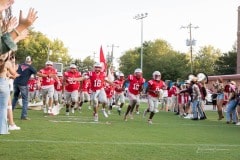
(7, 43)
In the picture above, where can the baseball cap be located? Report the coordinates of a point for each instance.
(28, 59)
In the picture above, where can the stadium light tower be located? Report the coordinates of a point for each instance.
(141, 17)
(190, 42)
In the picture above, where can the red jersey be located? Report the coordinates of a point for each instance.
(174, 90)
(48, 80)
(71, 85)
(183, 98)
(32, 84)
(86, 84)
(154, 86)
(135, 85)
(119, 84)
(169, 92)
(109, 91)
(58, 86)
(97, 80)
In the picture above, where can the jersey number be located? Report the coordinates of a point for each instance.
(97, 83)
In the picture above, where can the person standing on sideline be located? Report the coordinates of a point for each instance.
(20, 85)
(5, 67)
(196, 95)
(220, 97)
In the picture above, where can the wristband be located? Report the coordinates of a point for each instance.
(15, 30)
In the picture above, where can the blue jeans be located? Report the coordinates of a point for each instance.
(4, 96)
(17, 89)
(196, 109)
(231, 108)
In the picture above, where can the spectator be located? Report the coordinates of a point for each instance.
(20, 85)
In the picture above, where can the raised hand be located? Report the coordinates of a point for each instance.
(11, 24)
(5, 4)
(24, 23)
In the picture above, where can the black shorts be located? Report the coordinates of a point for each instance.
(214, 102)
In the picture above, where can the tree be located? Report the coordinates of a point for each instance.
(157, 55)
(205, 60)
(38, 46)
(88, 63)
(226, 64)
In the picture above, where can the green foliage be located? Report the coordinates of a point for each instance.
(205, 60)
(227, 63)
(85, 65)
(157, 55)
(78, 137)
(38, 46)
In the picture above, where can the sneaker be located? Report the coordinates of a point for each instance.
(25, 118)
(238, 123)
(67, 113)
(150, 121)
(72, 110)
(13, 127)
(105, 113)
(189, 116)
(50, 111)
(137, 112)
(96, 117)
(44, 109)
(89, 107)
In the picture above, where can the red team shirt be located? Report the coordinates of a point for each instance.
(32, 85)
(109, 91)
(72, 85)
(119, 84)
(135, 85)
(97, 80)
(155, 86)
(58, 86)
(48, 80)
(86, 84)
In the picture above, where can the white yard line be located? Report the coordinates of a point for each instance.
(127, 143)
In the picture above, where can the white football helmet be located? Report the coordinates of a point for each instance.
(97, 65)
(156, 75)
(121, 76)
(49, 63)
(73, 66)
(138, 72)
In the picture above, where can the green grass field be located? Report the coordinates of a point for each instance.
(77, 137)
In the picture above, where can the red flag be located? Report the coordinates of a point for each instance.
(102, 60)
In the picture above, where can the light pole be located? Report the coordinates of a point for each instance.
(140, 17)
(49, 53)
(111, 57)
(190, 42)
